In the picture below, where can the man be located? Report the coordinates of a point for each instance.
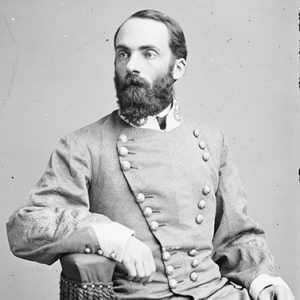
(154, 191)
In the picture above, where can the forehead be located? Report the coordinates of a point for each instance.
(138, 32)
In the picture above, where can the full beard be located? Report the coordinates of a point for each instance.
(138, 100)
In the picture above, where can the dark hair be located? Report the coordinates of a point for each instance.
(177, 39)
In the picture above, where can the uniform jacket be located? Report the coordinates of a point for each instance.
(178, 190)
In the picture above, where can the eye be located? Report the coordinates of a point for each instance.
(122, 54)
(150, 54)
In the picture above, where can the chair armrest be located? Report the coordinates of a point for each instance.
(86, 276)
(87, 267)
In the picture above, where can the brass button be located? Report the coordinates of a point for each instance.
(147, 212)
(123, 151)
(154, 226)
(193, 252)
(123, 138)
(166, 255)
(140, 198)
(202, 204)
(201, 145)
(169, 270)
(173, 283)
(206, 190)
(205, 156)
(199, 219)
(100, 252)
(194, 276)
(196, 132)
(195, 263)
(125, 165)
(113, 255)
(87, 250)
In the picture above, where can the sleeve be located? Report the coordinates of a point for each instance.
(240, 247)
(56, 218)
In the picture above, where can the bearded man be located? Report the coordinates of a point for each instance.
(156, 192)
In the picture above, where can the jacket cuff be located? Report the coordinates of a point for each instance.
(112, 238)
(261, 282)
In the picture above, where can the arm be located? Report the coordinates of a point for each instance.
(56, 218)
(240, 247)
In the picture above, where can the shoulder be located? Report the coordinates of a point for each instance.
(106, 123)
(90, 138)
(95, 131)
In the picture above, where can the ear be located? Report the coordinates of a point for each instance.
(179, 68)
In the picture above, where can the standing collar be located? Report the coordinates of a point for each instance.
(172, 114)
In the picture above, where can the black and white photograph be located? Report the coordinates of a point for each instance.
(149, 150)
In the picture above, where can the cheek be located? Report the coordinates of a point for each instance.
(151, 72)
(157, 73)
(120, 69)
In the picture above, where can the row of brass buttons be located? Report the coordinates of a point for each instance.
(170, 269)
(148, 211)
(206, 190)
(199, 219)
(201, 144)
(140, 198)
(123, 151)
(195, 263)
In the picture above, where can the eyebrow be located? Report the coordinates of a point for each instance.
(144, 47)
(121, 46)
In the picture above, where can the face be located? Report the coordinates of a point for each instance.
(142, 48)
(144, 69)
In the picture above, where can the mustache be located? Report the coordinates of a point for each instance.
(134, 80)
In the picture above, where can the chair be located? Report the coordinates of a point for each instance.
(86, 276)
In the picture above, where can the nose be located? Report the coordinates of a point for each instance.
(134, 64)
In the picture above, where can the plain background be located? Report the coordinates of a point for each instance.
(56, 70)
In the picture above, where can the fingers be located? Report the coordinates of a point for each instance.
(145, 267)
(149, 268)
(131, 270)
(140, 271)
(138, 261)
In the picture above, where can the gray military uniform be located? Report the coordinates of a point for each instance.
(178, 190)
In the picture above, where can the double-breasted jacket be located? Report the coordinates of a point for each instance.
(178, 190)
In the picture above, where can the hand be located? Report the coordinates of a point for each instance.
(276, 292)
(138, 261)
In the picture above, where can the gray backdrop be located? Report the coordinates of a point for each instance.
(56, 69)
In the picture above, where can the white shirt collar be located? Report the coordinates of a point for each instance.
(173, 118)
